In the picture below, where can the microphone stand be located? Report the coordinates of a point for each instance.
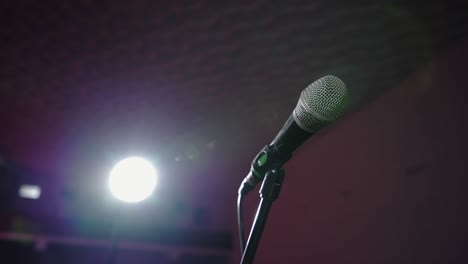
(269, 191)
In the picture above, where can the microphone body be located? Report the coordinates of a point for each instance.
(320, 104)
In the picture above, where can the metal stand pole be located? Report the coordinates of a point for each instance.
(269, 191)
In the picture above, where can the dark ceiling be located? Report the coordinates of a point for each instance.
(197, 86)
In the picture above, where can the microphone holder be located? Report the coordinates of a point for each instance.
(269, 191)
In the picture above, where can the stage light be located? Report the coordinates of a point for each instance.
(132, 179)
(29, 191)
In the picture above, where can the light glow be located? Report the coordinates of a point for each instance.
(132, 180)
(29, 191)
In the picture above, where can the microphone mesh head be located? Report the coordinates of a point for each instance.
(321, 103)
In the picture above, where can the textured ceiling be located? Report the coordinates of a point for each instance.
(197, 86)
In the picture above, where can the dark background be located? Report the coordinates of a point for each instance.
(199, 88)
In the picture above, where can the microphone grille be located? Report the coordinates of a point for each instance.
(321, 103)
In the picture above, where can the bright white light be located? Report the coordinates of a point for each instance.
(132, 180)
(29, 191)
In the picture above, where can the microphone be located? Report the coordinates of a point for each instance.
(320, 103)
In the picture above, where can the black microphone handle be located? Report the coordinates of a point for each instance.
(290, 137)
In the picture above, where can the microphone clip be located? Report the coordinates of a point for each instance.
(269, 158)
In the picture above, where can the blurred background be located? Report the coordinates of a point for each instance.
(198, 88)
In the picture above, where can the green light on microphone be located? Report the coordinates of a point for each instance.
(262, 159)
